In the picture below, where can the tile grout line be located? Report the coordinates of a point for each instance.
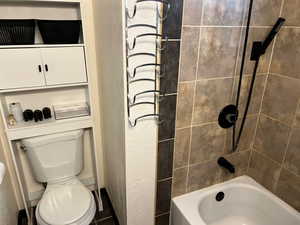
(169, 94)
(172, 40)
(164, 179)
(249, 160)
(210, 122)
(181, 167)
(214, 78)
(229, 26)
(236, 26)
(166, 140)
(219, 78)
(213, 159)
(102, 219)
(285, 76)
(182, 128)
(188, 160)
(277, 120)
(162, 214)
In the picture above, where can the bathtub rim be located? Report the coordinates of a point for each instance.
(184, 202)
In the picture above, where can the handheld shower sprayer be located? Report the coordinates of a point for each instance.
(276, 28)
(260, 47)
(229, 114)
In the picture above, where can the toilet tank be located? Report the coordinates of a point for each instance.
(55, 157)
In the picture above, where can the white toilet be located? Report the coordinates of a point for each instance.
(56, 159)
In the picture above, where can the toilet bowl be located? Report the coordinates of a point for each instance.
(69, 203)
(56, 159)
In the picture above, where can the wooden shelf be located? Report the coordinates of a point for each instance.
(32, 129)
(42, 88)
(40, 46)
(60, 1)
(47, 1)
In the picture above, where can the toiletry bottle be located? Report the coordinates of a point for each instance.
(16, 109)
(11, 120)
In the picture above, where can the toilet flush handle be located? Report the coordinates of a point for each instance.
(20, 146)
(23, 148)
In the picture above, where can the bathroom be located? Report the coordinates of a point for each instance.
(182, 112)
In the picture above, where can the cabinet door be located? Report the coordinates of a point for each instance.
(21, 68)
(64, 65)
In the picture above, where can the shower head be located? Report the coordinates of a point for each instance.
(276, 28)
(260, 47)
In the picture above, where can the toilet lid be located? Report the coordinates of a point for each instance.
(65, 204)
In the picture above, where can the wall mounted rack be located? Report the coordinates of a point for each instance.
(139, 60)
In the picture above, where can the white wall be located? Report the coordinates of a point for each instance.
(109, 46)
(8, 204)
(129, 153)
(141, 140)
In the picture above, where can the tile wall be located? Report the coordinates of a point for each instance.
(212, 39)
(211, 44)
(275, 160)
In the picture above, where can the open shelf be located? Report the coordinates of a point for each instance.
(59, 1)
(42, 87)
(32, 129)
(36, 95)
(41, 46)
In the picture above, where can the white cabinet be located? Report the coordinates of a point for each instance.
(34, 67)
(21, 68)
(64, 65)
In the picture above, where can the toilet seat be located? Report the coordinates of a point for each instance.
(66, 203)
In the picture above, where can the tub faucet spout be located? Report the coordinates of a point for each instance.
(226, 164)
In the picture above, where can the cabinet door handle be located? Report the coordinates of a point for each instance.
(46, 67)
(40, 68)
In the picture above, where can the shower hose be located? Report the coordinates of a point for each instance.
(235, 143)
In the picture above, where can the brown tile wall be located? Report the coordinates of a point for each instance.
(211, 47)
(210, 52)
(275, 157)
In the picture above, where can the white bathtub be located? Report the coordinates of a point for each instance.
(245, 202)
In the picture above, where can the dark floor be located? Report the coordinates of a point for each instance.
(105, 217)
